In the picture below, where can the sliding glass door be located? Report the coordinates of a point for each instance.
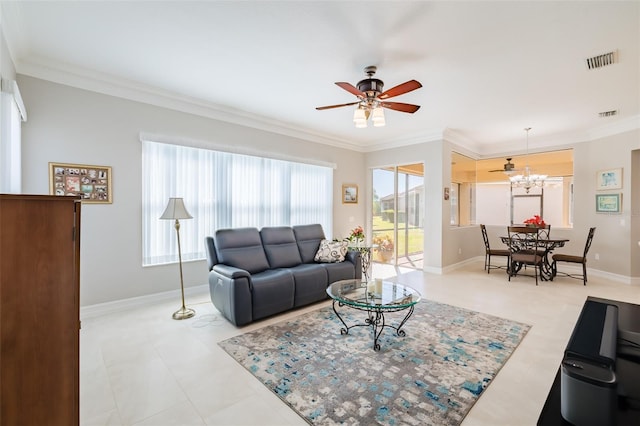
(398, 215)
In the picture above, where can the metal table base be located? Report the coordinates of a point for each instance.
(375, 319)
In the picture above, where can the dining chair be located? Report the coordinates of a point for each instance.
(523, 249)
(574, 259)
(488, 252)
(544, 232)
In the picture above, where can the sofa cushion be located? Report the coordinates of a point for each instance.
(241, 248)
(308, 238)
(272, 292)
(280, 246)
(339, 271)
(331, 251)
(311, 281)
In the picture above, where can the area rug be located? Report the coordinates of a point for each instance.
(432, 376)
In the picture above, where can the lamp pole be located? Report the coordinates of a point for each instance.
(176, 210)
(183, 312)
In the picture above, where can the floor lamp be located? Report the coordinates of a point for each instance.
(176, 210)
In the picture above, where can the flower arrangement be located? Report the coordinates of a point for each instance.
(384, 242)
(357, 233)
(535, 221)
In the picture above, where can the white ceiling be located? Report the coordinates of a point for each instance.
(488, 69)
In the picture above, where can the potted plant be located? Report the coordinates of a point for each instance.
(357, 236)
(383, 246)
(535, 222)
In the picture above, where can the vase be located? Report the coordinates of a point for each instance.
(384, 255)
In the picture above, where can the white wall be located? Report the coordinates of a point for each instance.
(70, 125)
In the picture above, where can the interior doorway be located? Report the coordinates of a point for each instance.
(398, 215)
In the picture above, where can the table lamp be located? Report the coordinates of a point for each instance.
(176, 210)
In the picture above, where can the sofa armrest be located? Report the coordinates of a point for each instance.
(355, 257)
(230, 290)
(230, 271)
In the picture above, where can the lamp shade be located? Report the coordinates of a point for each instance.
(378, 117)
(176, 210)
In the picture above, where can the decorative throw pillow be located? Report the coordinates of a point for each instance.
(331, 251)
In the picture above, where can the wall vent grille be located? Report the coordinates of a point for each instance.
(601, 60)
(608, 113)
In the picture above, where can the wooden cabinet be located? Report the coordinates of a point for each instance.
(39, 310)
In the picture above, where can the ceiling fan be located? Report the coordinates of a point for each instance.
(371, 98)
(507, 168)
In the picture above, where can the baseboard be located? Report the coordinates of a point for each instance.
(92, 311)
(440, 271)
(568, 268)
(597, 273)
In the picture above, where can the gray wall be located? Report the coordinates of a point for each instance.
(70, 125)
(613, 239)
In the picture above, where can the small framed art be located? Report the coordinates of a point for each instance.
(91, 183)
(608, 203)
(609, 179)
(349, 193)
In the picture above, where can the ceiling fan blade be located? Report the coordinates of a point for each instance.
(351, 89)
(400, 89)
(336, 106)
(399, 106)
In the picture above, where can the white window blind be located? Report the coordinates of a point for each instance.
(12, 115)
(225, 190)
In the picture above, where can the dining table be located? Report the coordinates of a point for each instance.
(547, 246)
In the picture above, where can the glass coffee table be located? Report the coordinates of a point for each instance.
(376, 298)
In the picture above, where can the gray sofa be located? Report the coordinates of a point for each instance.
(254, 274)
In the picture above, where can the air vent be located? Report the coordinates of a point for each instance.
(601, 60)
(608, 113)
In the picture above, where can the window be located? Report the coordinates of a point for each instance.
(398, 214)
(225, 190)
(12, 114)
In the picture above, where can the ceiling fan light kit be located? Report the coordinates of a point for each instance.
(527, 180)
(370, 99)
(360, 118)
(378, 117)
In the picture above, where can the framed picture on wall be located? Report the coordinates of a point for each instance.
(349, 193)
(608, 203)
(91, 183)
(609, 179)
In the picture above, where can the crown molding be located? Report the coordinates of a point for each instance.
(455, 137)
(554, 142)
(615, 128)
(135, 91)
(425, 137)
(127, 89)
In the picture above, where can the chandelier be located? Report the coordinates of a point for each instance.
(527, 180)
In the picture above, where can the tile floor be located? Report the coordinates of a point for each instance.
(140, 367)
